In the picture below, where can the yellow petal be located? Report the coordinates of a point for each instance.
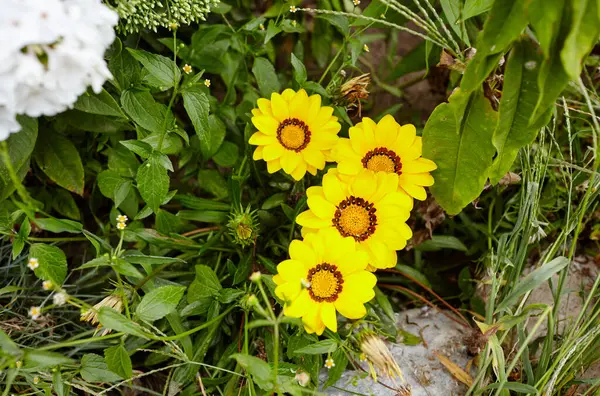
(260, 138)
(300, 171)
(273, 151)
(333, 189)
(396, 198)
(386, 131)
(288, 94)
(289, 161)
(273, 166)
(360, 285)
(328, 316)
(311, 169)
(391, 236)
(298, 105)
(357, 261)
(386, 183)
(358, 140)
(420, 179)
(279, 107)
(299, 306)
(321, 207)
(314, 157)
(265, 106)
(420, 165)
(312, 320)
(364, 185)
(380, 256)
(256, 112)
(266, 124)
(258, 153)
(406, 137)
(418, 192)
(315, 190)
(288, 291)
(314, 105)
(291, 270)
(301, 251)
(349, 306)
(322, 118)
(337, 248)
(310, 220)
(369, 127)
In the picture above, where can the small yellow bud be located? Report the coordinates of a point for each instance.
(366, 48)
(356, 2)
(261, 27)
(255, 277)
(19, 363)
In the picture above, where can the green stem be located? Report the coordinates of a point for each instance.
(13, 175)
(195, 329)
(332, 62)
(79, 342)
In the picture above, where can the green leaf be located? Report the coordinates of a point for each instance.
(123, 66)
(64, 203)
(335, 373)
(197, 107)
(439, 242)
(533, 280)
(111, 319)
(58, 384)
(475, 7)
(127, 269)
(102, 103)
(59, 225)
(299, 70)
(60, 161)
(145, 111)
(138, 258)
(519, 98)
(505, 22)
(118, 361)
(52, 262)
(142, 149)
(227, 155)
(384, 303)
(20, 146)
(267, 80)
(159, 302)
(585, 27)
(7, 345)
(212, 181)
(211, 140)
(272, 31)
(463, 151)
(257, 368)
(95, 369)
(153, 182)
(204, 216)
(40, 359)
(164, 71)
(123, 161)
(193, 202)
(339, 21)
(513, 386)
(324, 346)
(112, 185)
(452, 11)
(205, 287)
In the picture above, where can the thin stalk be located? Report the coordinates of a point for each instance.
(448, 33)
(13, 175)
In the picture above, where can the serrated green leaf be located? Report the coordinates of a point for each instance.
(94, 369)
(145, 111)
(118, 361)
(159, 302)
(335, 373)
(463, 151)
(153, 182)
(164, 71)
(519, 98)
(99, 103)
(205, 287)
(142, 149)
(227, 155)
(265, 75)
(123, 66)
(197, 107)
(60, 161)
(52, 262)
(122, 161)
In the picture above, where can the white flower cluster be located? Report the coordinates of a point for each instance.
(50, 52)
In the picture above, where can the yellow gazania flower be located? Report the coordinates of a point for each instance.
(325, 274)
(367, 207)
(295, 133)
(388, 147)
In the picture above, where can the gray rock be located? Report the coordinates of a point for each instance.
(422, 369)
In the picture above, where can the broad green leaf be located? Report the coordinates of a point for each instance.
(41, 359)
(414, 273)
(267, 80)
(123, 66)
(89, 122)
(533, 280)
(227, 155)
(339, 21)
(211, 180)
(384, 304)
(519, 98)
(7, 345)
(505, 22)
(211, 140)
(111, 319)
(452, 11)
(99, 103)
(585, 27)
(60, 161)
(59, 225)
(318, 348)
(112, 185)
(127, 269)
(299, 70)
(197, 107)
(272, 31)
(164, 71)
(20, 146)
(95, 369)
(153, 182)
(123, 161)
(63, 203)
(259, 370)
(159, 302)
(118, 361)
(439, 242)
(205, 287)
(335, 373)
(552, 77)
(52, 262)
(145, 111)
(463, 151)
(475, 7)
(142, 149)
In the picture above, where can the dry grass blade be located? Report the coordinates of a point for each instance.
(456, 371)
